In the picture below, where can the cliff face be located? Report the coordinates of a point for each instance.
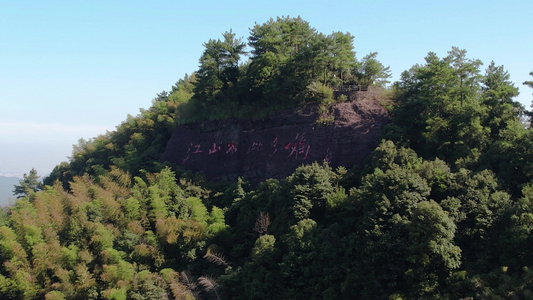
(276, 146)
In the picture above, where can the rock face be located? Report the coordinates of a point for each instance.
(276, 146)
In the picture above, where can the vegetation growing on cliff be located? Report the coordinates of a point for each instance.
(290, 64)
(442, 209)
(287, 61)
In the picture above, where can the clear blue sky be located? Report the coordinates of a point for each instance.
(74, 69)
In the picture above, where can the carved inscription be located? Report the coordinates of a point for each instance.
(275, 146)
(214, 149)
(231, 148)
(298, 148)
(256, 146)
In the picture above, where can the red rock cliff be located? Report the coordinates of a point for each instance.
(276, 146)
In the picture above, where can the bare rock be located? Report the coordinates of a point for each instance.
(274, 147)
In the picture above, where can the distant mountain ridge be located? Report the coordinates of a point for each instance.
(6, 189)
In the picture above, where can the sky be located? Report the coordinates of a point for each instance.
(76, 69)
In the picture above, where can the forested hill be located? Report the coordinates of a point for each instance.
(442, 208)
(287, 65)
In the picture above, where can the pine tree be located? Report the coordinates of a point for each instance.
(28, 185)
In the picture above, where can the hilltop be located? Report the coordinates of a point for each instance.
(291, 67)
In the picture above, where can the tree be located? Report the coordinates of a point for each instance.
(432, 252)
(444, 94)
(372, 72)
(466, 71)
(509, 153)
(529, 83)
(28, 185)
(498, 92)
(232, 50)
(281, 51)
(334, 54)
(481, 216)
(218, 66)
(208, 75)
(343, 54)
(258, 280)
(380, 245)
(283, 37)
(310, 187)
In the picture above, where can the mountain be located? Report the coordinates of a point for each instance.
(441, 209)
(6, 189)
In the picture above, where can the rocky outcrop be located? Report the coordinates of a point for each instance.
(276, 146)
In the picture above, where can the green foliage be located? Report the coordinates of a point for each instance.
(219, 67)
(337, 198)
(196, 209)
(432, 252)
(408, 228)
(216, 221)
(148, 286)
(33, 235)
(371, 72)
(70, 255)
(103, 238)
(289, 63)
(104, 251)
(9, 247)
(444, 93)
(465, 118)
(131, 208)
(503, 112)
(311, 189)
(183, 90)
(320, 93)
(116, 294)
(263, 247)
(529, 83)
(54, 295)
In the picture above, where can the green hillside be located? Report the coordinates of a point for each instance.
(443, 208)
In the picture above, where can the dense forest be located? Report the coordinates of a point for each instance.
(442, 209)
